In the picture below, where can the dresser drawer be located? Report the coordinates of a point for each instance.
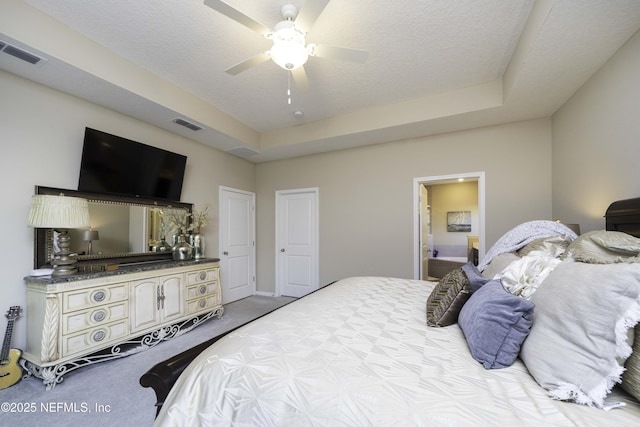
(199, 276)
(78, 300)
(201, 290)
(202, 304)
(94, 338)
(79, 320)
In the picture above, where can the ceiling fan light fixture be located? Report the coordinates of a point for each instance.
(289, 54)
(288, 49)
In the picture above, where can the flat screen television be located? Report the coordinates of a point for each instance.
(119, 166)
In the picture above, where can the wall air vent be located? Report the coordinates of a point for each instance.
(189, 125)
(20, 53)
(243, 152)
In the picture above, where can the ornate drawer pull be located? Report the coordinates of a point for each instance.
(99, 316)
(202, 303)
(202, 289)
(99, 296)
(203, 275)
(99, 335)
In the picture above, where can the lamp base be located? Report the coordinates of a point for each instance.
(63, 270)
(64, 262)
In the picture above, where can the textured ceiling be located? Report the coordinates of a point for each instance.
(433, 66)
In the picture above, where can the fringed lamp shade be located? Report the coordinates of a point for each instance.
(60, 213)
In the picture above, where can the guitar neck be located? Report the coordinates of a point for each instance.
(6, 344)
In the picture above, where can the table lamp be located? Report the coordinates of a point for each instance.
(89, 236)
(60, 213)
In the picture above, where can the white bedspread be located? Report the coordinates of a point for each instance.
(359, 353)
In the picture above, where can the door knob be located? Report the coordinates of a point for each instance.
(282, 250)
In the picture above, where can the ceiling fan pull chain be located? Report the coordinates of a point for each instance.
(289, 87)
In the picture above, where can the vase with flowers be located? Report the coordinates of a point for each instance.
(199, 219)
(178, 222)
(161, 245)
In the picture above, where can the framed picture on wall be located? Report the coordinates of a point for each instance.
(459, 221)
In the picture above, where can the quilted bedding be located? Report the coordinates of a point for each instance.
(359, 353)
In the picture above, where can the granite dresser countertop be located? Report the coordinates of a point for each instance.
(129, 268)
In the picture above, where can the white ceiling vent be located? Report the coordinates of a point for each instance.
(243, 152)
(187, 124)
(22, 54)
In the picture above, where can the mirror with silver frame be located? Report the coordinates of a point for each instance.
(123, 229)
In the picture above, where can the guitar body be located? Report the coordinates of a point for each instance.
(10, 371)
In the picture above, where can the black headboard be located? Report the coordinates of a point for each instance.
(624, 215)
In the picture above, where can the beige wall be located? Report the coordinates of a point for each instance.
(596, 142)
(453, 197)
(41, 138)
(366, 200)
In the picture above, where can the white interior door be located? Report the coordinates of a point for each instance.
(237, 244)
(297, 242)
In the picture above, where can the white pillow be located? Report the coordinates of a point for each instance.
(523, 276)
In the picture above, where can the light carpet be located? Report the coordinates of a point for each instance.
(108, 393)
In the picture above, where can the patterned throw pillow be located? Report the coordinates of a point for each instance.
(450, 294)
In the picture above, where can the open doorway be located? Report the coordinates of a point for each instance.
(454, 228)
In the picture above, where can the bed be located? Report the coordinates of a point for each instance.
(388, 351)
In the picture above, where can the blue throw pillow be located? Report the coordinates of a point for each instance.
(495, 324)
(476, 278)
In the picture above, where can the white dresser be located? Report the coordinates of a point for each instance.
(88, 318)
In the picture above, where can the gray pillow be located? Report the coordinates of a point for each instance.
(631, 376)
(553, 246)
(498, 264)
(605, 247)
(495, 323)
(578, 341)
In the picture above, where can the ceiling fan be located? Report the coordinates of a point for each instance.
(289, 48)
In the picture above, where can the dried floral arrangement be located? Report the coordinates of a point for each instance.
(199, 219)
(175, 220)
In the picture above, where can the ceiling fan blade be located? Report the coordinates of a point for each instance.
(342, 53)
(309, 14)
(248, 63)
(300, 78)
(230, 12)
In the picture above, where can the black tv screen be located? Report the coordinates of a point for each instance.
(115, 165)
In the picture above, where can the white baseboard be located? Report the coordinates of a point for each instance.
(264, 294)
